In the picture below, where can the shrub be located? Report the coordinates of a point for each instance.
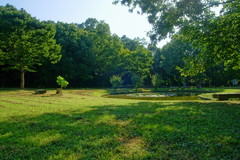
(137, 81)
(116, 81)
(156, 80)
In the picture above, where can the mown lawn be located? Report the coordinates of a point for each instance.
(83, 125)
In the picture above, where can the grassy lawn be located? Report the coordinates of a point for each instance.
(83, 125)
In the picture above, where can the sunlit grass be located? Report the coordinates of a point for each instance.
(81, 124)
(219, 90)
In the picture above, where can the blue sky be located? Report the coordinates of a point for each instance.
(77, 11)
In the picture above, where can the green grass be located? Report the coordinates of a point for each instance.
(218, 90)
(83, 125)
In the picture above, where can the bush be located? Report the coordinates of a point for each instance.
(137, 81)
(156, 80)
(116, 81)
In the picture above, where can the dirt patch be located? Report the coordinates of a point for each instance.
(1, 106)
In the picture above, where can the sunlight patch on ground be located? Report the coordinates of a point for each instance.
(44, 138)
(170, 108)
(134, 148)
(150, 126)
(191, 112)
(111, 119)
(6, 135)
(106, 119)
(66, 154)
(169, 128)
(100, 142)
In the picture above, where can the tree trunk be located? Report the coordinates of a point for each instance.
(22, 84)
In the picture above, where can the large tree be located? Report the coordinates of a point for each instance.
(107, 49)
(76, 64)
(217, 36)
(25, 42)
(139, 62)
(167, 17)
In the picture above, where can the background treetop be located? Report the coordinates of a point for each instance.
(168, 16)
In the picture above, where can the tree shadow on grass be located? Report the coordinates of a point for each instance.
(145, 130)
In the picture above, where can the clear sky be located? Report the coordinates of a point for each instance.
(120, 20)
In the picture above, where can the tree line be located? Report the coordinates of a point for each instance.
(205, 45)
(35, 52)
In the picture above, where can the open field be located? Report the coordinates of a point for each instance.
(81, 124)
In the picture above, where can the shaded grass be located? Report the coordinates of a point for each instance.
(87, 126)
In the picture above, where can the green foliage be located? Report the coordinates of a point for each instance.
(168, 16)
(205, 50)
(133, 44)
(77, 56)
(62, 82)
(137, 81)
(108, 49)
(139, 61)
(26, 42)
(156, 80)
(172, 58)
(218, 40)
(116, 81)
(215, 36)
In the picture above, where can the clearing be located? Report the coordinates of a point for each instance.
(81, 124)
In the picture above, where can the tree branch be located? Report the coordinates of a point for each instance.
(216, 4)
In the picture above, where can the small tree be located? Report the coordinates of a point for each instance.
(137, 81)
(62, 82)
(156, 80)
(116, 81)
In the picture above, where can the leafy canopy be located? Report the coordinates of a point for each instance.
(25, 41)
(116, 81)
(216, 36)
(62, 82)
(167, 17)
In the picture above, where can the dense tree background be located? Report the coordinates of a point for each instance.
(25, 42)
(90, 54)
(213, 37)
